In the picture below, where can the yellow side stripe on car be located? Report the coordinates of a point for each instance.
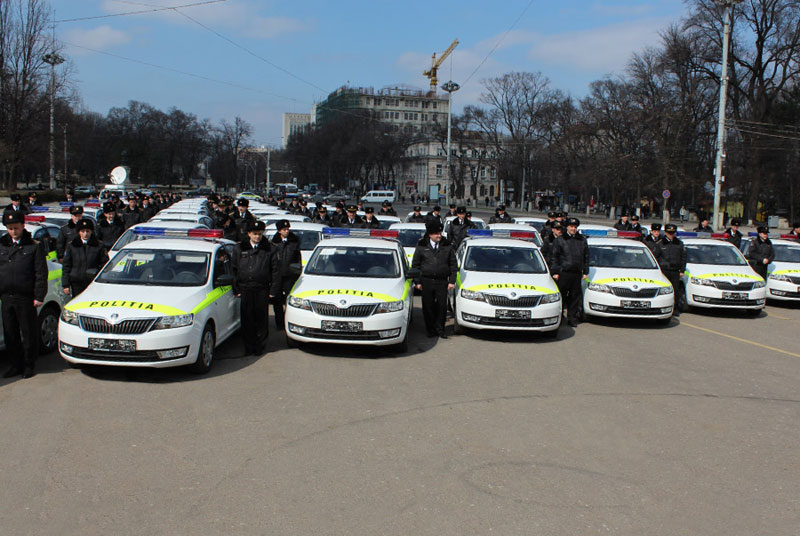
(127, 304)
(630, 280)
(51, 256)
(346, 292)
(211, 297)
(725, 274)
(499, 286)
(792, 271)
(55, 274)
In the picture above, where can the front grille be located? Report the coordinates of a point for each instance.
(785, 294)
(505, 301)
(130, 357)
(354, 311)
(126, 327)
(725, 285)
(623, 292)
(339, 335)
(730, 303)
(511, 322)
(632, 312)
(794, 279)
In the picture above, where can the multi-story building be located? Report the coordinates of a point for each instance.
(293, 123)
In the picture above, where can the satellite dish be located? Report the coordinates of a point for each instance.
(119, 175)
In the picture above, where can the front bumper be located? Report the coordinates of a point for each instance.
(713, 298)
(783, 290)
(481, 315)
(383, 329)
(610, 306)
(73, 346)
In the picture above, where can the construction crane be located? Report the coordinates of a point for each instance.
(433, 72)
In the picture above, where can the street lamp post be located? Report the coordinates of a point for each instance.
(723, 100)
(53, 59)
(450, 87)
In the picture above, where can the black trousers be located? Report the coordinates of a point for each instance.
(569, 284)
(77, 287)
(760, 268)
(254, 307)
(674, 277)
(279, 301)
(21, 330)
(434, 304)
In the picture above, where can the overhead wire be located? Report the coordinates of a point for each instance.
(140, 12)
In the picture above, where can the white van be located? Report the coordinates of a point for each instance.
(378, 196)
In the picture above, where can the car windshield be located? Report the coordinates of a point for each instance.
(386, 223)
(621, 257)
(504, 259)
(354, 261)
(714, 254)
(409, 238)
(156, 267)
(308, 238)
(787, 253)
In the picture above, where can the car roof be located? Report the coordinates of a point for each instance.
(626, 242)
(359, 242)
(169, 225)
(206, 246)
(784, 242)
(508, 242)
(707, 241)
(406, 226)
(301, 226)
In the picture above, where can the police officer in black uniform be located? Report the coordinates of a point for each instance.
(703, 226)
(636, 226)
(672, 259)
(23, 286)
(734, 234)
(761, 253)
(322, 217)
(17, 205)
(370, 221)
(84, 257)
(795, 230)
(110, 226)
(623, 224)
(652, 238)
(500, 216)
(387, 210)
(242, 218)
(131, 215)
(303, 210)
(436, 260)
(452, 211)
(254, 270)
(548, 225)
(148, 210)
(556, 230)
(338, 214)
(68, 231)
(417, 216)
(286, 250)
(434, 216)
(351, 220)
(570, 266)
(459, 227)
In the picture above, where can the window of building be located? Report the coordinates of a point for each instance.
(397, 115)
(483, 172)
(493, 173)
(439, 152)
(438, 170)
(434, 105)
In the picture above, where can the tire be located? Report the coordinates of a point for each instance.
(664, 321)
(754, 312)
(205, 354)
(553, 334)
(48, 329)
(683, 303)
(458, 329)
(291, 343)
(402, 346)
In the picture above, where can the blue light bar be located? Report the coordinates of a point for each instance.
(66, 204)
(774, 235)
(480, 232)
(342, 231)
(695, 234)
(338, 232)
(150, 231)
(60, 210)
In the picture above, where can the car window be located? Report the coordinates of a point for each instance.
(621, 257)
(504, 259)
(714, 254)
(786, 253)
(354, 261)
(222, 263)
(156, 267)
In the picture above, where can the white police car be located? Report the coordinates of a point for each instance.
(157, 303)
(624, 279)
(512, 227)
(718, 275)
(783, 273)
(353, 290)
(503, 284)
(409, 235)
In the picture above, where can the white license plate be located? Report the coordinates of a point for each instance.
(734, 295)
(348, 327)
(635, 304)
(512, 313)
(112, 345)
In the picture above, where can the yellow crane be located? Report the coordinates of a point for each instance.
(434, 70)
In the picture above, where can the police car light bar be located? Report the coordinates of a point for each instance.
(340, 232)
(60, 210)
(502, 233)
(32, 218)
(775, 235)
(186, 233)
(694, 234)
(609, 233)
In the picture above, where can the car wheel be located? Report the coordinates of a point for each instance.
(664, 321)
(205, 355)
(458, 329)
(402, 346)
(754, 312)
(48, 329)
(291, 343)
(552, 334)
(683, 302)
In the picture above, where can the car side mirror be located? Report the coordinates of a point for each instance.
(224, 280)
(413, 273)
(295, 268)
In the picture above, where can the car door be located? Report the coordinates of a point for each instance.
(227, 305)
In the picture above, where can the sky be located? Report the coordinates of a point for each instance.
(258, 59)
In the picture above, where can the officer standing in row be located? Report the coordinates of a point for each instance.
(242, 218)
(16, 205)
(84, 257)
(672, 260)
(23, 286)
(459, 227)
(68, 231)
(286, 250)
(548, 225)
(254, 268)
(322, 217)
(570, 266)
(436, 260)
(703, 226)
(370, 221)
(131, 215)
(623, 224)
(761, 254)
(500, 216)
(734, 235)
(387, 210)
(636, 226)
(148, 210)
(434, 216)
(351, 220)
(110, 226)
(417, 216)
(652, 238)
(547, 242)
(795, 230)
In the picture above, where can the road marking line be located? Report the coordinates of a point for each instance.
(782, 317)
(741, 340)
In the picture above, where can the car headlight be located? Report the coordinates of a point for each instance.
(70, 317)
(665, 290)
(299, 303)
(389, 307)
(780, 277)
(551, 298)
(177, 321)
(600, 288)
(760, 284)
(472, 295)
(701, 282)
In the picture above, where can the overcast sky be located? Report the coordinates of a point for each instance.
(260, 58)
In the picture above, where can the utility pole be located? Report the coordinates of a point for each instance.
(66, 177)
(723, 101)
(53, 58)
(269, 152)
(450, 87)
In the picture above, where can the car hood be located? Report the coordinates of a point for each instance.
(721, 272)
(789, 268)
(350, 290)
(130, 301)
(505, 284)
(627, 278)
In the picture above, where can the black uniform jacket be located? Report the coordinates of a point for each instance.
(82, 262)
(570, 254)
(108, 233)
(458, 230)
(23, 269)
(504, 218)
(286, 253)
(254, 268)
(66, 235)
(760, 250)
(734, 238)
(371, 224)
(439, 263)
(673, 255)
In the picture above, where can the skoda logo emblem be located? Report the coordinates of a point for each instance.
(342, 302)
(513, 294)
(735, 281)
(635, 287)
(114, 318)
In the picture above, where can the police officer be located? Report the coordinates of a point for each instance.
(254, 269)
(452, 212)
(547, 242)
(436, 260)
(734, 235)
(652, 238)
(623, 224)
(434, 216)
(294, 206)
(351, 220)
(672, 259)
(242, 218)
(110, 226)
(387, 210)
(23, 286)
(84, 257)
(322, 217)
(370, 221)
(148, 210)
(16, 205)
(703, 226)
(548, 225)
(304, 210)
(761, 253)
(570, 265)
(500, 216)
(459, 227)
(417, 216)
(636, 226)
(286, 250)
(131, 215)
(229, 229)
(338, 214)
(795, 230)
(68, 231)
